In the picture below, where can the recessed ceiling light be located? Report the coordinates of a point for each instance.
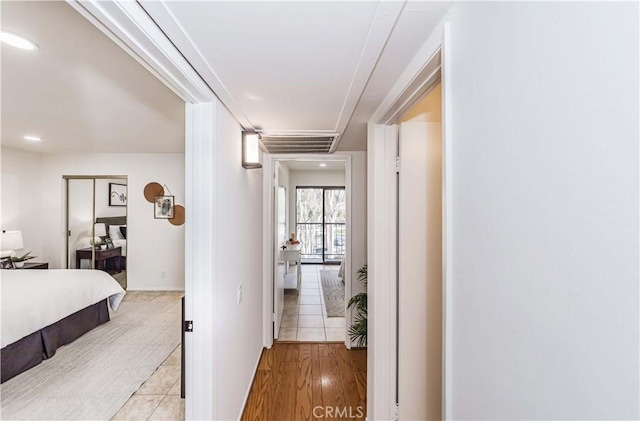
(17, 41)
(323, 164)
(32, 138)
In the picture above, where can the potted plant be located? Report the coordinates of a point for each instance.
(358, 330)
(19, 261)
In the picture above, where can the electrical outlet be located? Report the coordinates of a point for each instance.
(239, 295)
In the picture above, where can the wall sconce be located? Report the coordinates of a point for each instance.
(251, 150)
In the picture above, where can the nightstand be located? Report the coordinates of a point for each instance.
(35, 265)
(107, 260)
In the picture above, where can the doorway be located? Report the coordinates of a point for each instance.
(308, 285)
(409, 234)
(420, 251)
(96, 224)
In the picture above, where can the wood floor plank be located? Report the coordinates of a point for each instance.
(315, 362)
(284, 397)
(293, 379)
(361, 383)
(359, 360)
(347, 378)
(316, 390)
(293, 352)
(304, 393)
(333, 395)
(279, 354)
(304, 352)
(326, 350)
(267, 360)
(258, 403)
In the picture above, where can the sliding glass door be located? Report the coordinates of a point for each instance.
(320, 223)
(97, 224)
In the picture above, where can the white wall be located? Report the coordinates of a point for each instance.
(283, 181)
(102, 199)
(21, 197)
(358, 219)
(545, 212)
(237, 337)
(154, 246)
(81, 207)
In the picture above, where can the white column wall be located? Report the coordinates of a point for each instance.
(545, 216)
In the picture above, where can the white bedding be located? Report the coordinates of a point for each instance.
(121, 243)
(33, 299)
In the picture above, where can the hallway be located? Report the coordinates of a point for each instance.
(308, 382)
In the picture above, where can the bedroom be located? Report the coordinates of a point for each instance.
(86, 109)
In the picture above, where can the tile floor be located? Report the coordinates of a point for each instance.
(159, 397)
(305, 316)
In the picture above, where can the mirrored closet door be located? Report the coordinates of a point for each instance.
(97, 224)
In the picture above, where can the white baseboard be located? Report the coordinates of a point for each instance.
(253, 378)
(156, 289)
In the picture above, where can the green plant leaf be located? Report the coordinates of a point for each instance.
(358, 330)
(23, 258)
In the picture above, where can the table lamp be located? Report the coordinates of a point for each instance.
(11, 241)
(99, 232)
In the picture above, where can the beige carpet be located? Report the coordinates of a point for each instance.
(91, 378)
(121, 277)
(333, 292)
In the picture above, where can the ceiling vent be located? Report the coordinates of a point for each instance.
(298, 144)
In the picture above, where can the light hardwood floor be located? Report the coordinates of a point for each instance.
(305, 381)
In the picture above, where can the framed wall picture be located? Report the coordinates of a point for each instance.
(163, 207)
(117, 194)
(6, 263)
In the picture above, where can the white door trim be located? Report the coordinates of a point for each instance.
(430, 64)
(268, 234)
(382, 149)
(200, 260)
(447, 229)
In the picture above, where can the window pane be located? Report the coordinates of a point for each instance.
(334, 206)
(308, 205)
(335, 241)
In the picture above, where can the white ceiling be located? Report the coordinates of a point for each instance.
(280, 67)
(315, 165)
(80, 91)
(300, 67)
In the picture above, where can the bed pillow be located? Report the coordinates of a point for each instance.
(114, 232)
(123, 231)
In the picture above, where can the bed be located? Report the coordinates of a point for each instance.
(119, 239)
(45, 309)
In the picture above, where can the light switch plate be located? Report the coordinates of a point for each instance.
(239, 295)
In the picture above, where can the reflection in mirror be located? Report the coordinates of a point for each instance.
(111, 211)
(97, 225)
(79, 227)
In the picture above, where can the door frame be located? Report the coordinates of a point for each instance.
(268, 231)
(275, 223)
(432, 64)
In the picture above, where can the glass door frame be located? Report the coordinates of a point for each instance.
(66, 179)
(323, 222)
